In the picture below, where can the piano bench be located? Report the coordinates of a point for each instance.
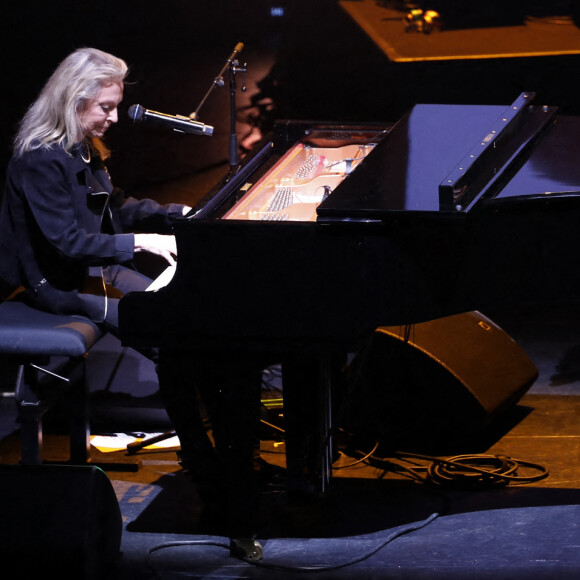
(30, 339)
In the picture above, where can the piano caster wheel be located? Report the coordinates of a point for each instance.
(246, 549)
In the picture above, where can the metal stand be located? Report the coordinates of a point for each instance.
(234, 67)
(136, 446)
(34, 398)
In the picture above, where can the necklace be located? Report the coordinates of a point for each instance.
(86, 159)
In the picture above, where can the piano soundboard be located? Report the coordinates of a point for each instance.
(293, 188)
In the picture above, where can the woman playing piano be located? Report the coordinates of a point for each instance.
(63, 225)
(65, 238)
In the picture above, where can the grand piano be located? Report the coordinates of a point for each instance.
(328, 231)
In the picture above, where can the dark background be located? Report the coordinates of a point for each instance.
(312, 62)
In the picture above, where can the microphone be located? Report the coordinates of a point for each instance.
(175, 122)
(238, 48)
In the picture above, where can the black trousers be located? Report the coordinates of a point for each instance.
(122, 280)
(225, 388)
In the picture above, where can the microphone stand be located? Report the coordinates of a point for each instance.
(234, 67)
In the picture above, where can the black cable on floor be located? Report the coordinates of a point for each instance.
(476, 471)
(413, 527)
(316, 568)
(180, 544)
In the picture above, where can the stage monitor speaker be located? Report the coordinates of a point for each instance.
(435, 380)
(58, 519)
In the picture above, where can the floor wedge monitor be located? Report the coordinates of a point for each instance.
(439, 379)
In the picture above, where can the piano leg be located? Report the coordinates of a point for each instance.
(308, 383)
(228, 385)
(326, 425)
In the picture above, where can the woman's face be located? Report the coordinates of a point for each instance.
(101, 113)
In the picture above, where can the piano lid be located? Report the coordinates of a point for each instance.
(451, 158)
(551, 170)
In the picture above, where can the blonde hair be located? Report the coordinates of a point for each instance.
(54, 117)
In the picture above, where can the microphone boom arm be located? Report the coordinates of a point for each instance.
(218, 81)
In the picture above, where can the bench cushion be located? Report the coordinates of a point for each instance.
(27, 331)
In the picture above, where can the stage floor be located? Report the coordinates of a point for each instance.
(374, 521)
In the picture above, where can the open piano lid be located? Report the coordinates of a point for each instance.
(453, 159)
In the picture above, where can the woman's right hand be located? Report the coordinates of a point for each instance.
(161, 245)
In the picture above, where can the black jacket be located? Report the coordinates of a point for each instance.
(61, 221)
